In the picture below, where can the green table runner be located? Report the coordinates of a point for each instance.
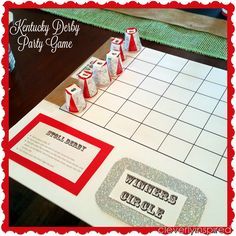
(167, 34)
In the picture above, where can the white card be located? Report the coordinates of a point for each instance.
(149, 198)
(57, 151)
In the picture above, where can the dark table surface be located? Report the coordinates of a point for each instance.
(216, 13)
(36, 74)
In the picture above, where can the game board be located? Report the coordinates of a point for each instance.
(165, 111)
(169, 104)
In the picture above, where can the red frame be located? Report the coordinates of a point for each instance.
(59, 180)
(230, 152)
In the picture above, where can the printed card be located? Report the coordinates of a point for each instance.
(59, 153)
(149, 198)
(143, 196)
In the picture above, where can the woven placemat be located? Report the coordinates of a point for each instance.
(167, 34)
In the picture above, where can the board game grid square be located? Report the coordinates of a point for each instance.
(163, 74)
(121, 89)
(150, 55)
(221, 170)
(154, 85)
(178, 94)
(173, 62)
(195, 117)
(212, 142)
(176, 148)
(169, 107)
(98, 115)
(144, 98)
(221, 110)
(131, 77)
(203, 159)
(185, 131)
(148, 136)
(218, 76)
(159, 121)
(188, 82)
(134, 111)
(203, 102)
(141, 67)
(212, 90)
(105, 101)
(122, 125)
(196, 69)
(217, 125)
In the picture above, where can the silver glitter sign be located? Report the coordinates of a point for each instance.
(143, 196)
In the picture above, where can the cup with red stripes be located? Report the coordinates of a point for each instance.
(75, 101)
(132, 41)
(87, 83)
(224, 12)
(117, 44)
(100, 73)
(114, 63)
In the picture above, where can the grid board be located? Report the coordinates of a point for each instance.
(169, 104)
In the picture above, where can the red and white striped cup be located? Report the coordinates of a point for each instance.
(114, 63)
(117, 44)
(75, 101)
(224, 12)
(87, 84)
(132, 40)
(100, 73)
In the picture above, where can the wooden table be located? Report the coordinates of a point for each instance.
(35, 76)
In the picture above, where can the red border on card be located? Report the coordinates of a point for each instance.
(164, 230)
(57, 179)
